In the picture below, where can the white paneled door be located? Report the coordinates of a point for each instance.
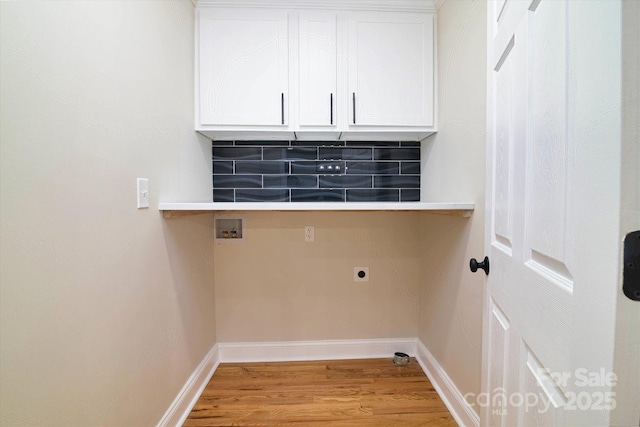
(552, 234)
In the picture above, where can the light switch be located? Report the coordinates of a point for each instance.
(143, 193)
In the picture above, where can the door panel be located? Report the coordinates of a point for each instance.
(243, 70)
(390, 60)
(318, 71)
(498, 355)
(542, 399)
(550, 155)
(537, 308)
(552, 171)
(503, 196)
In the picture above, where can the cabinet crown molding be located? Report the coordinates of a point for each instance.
(369, 5)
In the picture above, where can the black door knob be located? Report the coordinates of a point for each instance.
(475, 265)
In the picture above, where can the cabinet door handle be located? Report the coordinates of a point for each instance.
(331, 108)
(354, 108)
(282, 107)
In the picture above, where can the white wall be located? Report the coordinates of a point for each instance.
(105, 309)
(277, 287)
(451, 297)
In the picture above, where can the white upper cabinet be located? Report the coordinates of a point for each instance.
(349, 73)
(243, 67)
(317, 68)
(390, 67)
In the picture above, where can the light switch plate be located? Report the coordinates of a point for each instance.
(143, 193)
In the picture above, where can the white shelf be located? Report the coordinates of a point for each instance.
(171, 210)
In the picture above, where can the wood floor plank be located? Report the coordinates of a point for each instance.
(366, 392)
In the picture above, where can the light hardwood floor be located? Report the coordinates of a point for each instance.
(366, 392)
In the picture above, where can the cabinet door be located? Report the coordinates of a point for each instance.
(317, 68)
(243, 67)
(391, 69)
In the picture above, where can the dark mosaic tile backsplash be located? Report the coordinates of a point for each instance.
(307, 171)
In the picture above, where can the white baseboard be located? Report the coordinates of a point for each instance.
(314, 350)
(193, 388)
(460, 409)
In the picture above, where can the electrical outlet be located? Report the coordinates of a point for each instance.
(361, 274)
(309, 233)
(143, 193)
